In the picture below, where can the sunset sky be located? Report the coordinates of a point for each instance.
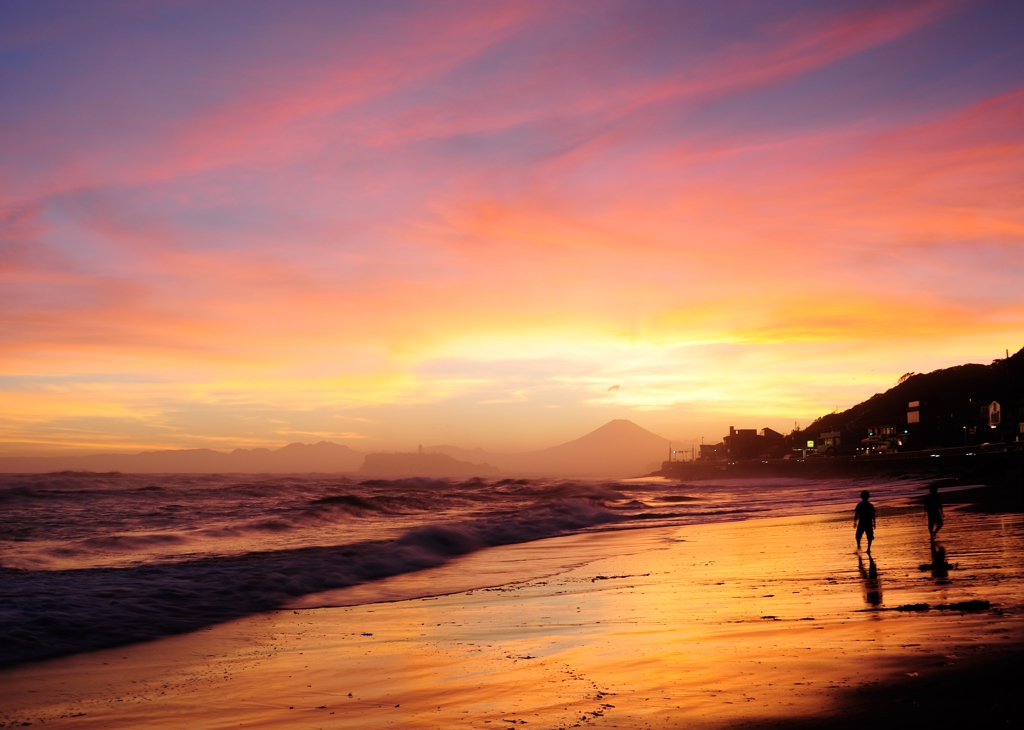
(241, 224)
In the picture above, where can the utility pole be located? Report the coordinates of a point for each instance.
(1011, 407)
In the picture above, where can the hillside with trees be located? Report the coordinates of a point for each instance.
(954, 407)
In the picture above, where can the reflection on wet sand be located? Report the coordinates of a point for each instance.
(872, 583)
(939, 566)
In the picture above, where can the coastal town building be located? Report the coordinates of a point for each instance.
(747, 443)
(712, 452)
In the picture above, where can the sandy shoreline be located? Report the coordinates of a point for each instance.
(762, 621)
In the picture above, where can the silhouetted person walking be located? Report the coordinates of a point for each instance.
(933, 506)
(864, 519)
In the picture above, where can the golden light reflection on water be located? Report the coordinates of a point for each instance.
(704, 625)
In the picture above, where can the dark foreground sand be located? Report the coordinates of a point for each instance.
(765, 622)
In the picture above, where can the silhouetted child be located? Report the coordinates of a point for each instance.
(933, 506)
(864, 519)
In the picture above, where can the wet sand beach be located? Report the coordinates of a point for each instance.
(748, 623)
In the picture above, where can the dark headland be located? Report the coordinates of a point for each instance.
(964, 423)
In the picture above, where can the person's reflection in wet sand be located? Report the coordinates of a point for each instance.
(933, 507)
(939, 567)
(872, 584)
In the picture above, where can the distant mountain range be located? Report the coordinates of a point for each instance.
(294, 458)
(618, 449)
(423, 465)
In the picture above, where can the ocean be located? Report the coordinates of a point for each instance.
(96, 560)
